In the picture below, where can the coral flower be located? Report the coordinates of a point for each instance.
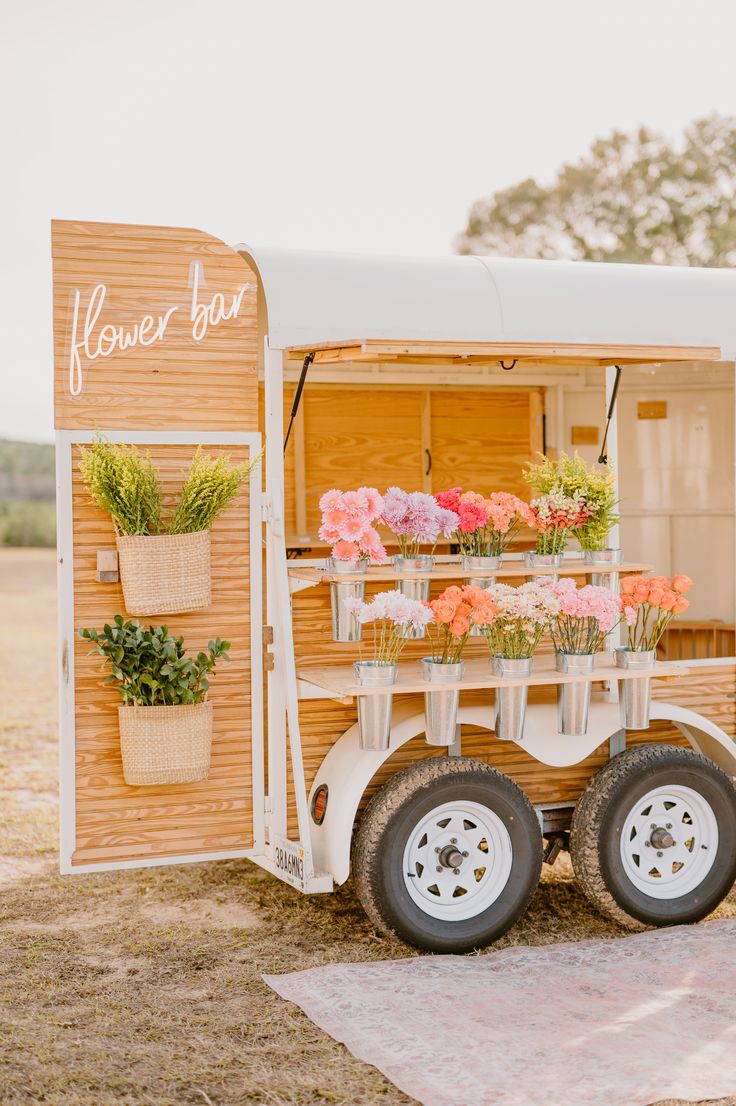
(681, 604)
(681, 584)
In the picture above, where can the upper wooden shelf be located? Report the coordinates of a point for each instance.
(337, 681)
(452, 570)
(531, 354)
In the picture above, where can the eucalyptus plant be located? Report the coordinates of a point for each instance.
(150, 667)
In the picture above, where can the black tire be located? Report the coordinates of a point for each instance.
(393, 816)
(598, 824)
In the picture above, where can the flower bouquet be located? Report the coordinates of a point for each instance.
(596, 486)
(649, 605)
(524, 613)
(555, 517)
(348, 523)
(586, 615)
(393, 617)
(416, 519)
(454, 613)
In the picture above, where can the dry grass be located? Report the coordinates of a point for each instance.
(144, 987)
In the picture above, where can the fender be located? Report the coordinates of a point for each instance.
(347, 769)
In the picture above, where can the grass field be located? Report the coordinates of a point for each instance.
(144, 987)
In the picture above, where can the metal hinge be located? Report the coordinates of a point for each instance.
(266, 508)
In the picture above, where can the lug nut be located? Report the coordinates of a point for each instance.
(456, 871)
(453, 840)
(660, 854)
(436, 848)
(652, 825)
(669, 825)
(439, 868)
(466, 853)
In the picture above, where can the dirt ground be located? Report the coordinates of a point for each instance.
(144, 987)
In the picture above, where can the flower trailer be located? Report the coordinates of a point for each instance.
(349, 585)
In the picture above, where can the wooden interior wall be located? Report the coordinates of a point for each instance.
(323, 722)
(426, 438)
(118, 822)
(175, 383)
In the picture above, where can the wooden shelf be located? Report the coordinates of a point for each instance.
(452, 570)
(338, 681)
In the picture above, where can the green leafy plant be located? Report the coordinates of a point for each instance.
(150, 667)
(124, 483)
(577, 479)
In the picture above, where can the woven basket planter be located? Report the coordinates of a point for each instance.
(165, 744)
(165, 573)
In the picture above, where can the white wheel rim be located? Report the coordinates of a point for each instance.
(671, 870)
(455, 894)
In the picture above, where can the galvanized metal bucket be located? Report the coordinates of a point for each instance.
(440, 707)
(604, 557)
(635, 696)
(345, 626)
(573, 700)
(468, 563)
(414, 589)
(374, 711)
(511, 701)
(543, 560)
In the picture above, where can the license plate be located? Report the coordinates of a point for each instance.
(288, 859)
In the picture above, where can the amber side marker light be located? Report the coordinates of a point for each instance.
(319, 804)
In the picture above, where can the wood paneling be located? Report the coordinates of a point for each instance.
(117, 822)
(482, 438)
(174, 383)
(354, 436)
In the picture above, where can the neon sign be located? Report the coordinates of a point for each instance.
(91, 342)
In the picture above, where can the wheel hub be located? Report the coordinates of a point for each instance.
(457, 860)
(669, 841)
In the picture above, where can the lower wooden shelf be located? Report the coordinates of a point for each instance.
(337, 681)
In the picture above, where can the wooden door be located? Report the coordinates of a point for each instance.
(149, 347)
(482, 437)
(360, 435)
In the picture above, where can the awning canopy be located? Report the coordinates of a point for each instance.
(482, 309)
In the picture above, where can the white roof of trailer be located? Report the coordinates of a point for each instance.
(321, 298)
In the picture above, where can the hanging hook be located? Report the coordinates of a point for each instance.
(508, 368)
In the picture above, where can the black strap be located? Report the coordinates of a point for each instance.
(298, 395)
(603, 459)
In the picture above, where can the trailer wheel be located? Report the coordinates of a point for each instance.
(653, 839)
(447, 855)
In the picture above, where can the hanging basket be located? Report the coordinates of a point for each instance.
(165, 744)
(165, 573)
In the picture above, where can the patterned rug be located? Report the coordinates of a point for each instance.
(622, 1022)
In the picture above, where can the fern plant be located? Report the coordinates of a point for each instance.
(149, 667)
(211, 484)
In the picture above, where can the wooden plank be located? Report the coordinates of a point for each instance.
(452, 570)
(165, 377)
(339, 680)
(548, 353)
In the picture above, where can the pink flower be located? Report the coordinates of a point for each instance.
(681, 584)
(372, 546)
(374, 502)
(352, 528)
(345, 551)
(330, 500)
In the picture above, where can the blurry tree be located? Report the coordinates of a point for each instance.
(634, 197)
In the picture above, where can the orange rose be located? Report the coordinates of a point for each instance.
(681, 604)
(641, 592)
(668, 600)
(454, 594)
(459, 625)
(628, 583)
(681, 583)
(443, 610)
(656, 594)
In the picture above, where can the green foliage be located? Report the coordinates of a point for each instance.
(595, 483)
(123, 482)
(150, 668)
(29, 522)
(633, 197)
(211, 484)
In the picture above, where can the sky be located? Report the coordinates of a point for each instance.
(311, 123)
